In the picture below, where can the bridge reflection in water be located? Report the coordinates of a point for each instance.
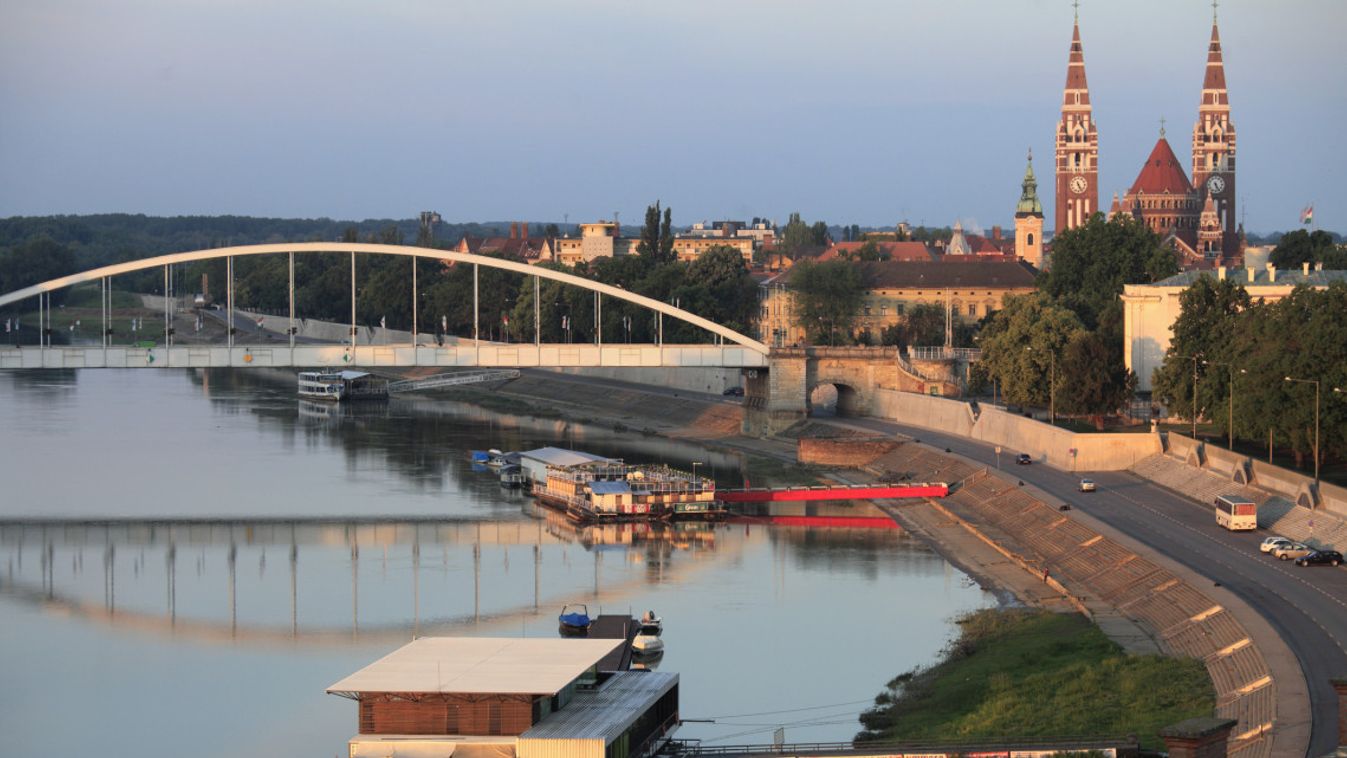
(219, 579)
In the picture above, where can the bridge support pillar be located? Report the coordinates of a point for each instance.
(775, 397)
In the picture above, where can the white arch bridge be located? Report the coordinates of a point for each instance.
(730, 348)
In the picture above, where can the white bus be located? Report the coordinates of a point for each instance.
(1236, 512)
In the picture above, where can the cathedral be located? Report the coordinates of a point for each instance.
(1196, 217)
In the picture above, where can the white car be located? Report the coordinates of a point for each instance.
(1087, 485)
(1271, 543)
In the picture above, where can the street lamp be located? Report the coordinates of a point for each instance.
(1193, 358)
(1315, 382)
(1052, 382)
(1231, 422)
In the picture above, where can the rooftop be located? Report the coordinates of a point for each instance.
(1161, 173)
(607, 712)
(479, 665)
(1285, 278)
(556, 456)
(949, 272)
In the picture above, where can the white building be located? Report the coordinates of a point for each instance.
(1150, 310)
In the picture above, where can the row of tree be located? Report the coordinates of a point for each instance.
(1225, 342)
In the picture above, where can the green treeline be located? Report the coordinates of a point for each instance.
(717, 286)
(1038, 674)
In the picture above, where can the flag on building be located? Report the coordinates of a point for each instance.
(1307, 215)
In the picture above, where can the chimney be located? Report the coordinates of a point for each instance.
(996, 233)
(524, 230)
(1340, 686)
(514, 230)
(1305, 268)
(1252, 272)
(1319, 266)
(1203, 737)
(1271, 273)
(1220, 273)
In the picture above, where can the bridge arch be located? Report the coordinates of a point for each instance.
(373, 248)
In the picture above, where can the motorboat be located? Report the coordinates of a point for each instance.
(646, 645)
(651, 624)
(574, 620)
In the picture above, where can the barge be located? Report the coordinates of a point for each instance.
(341, 385)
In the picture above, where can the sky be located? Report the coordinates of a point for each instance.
(849, 111)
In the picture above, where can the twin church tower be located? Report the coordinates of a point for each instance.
(1197, 218)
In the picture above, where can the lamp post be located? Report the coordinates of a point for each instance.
(1315, 382)
(1231, 422)
(1052, 384)
(1193, 358)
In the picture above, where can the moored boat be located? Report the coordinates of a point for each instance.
(574, 620)
(646, 645)
(651, 624)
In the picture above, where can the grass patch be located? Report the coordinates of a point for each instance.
(1031, 673)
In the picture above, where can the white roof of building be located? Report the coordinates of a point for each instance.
(556, 456)
(486, 665)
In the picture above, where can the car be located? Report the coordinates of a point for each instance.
(1086, 485)
(1023, 459)
(1320, 558)
(1268, 544)
(734, 391)
(1293, 550)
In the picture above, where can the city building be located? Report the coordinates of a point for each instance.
(507, 698)
(517, 245)
(1029, 219)
(692, 248)
(966, 243)
(1077, 145)
(601, 239)
(1150, 310)
(969, 286)
(1195, 217)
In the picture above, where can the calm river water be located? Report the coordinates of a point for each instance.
(262, 549)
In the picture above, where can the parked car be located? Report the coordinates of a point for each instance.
(1291, 551)
(1320, 558)
(1023, 459)
(734, 391)
(1086, 485)
(1271, 542)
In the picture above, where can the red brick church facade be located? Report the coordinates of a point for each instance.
(1197, 217)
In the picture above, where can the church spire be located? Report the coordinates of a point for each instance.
(1077, 174)
(1214, 139)
(1029, 192)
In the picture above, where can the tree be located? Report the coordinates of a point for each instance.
(551, 231)
(1091, 263)
(1209, 312)
(818, 233)
(923, 324)
(1019, 344)
(870, 251)
(828, 298)
(796, 234)
(1300, 246)
(648, 248)
(1092, 366)
(37, 260)
(666, 237)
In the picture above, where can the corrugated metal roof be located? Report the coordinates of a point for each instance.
(609, 488)
(607, 712)
(1240, 276)
(468, 665)
(555, 456)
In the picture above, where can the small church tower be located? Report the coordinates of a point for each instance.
(1029, 219)
(1210, 235)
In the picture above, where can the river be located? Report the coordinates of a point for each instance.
(187, 559)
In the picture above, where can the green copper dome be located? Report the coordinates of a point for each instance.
(1029, 204)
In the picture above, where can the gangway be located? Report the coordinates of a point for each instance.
(452, 379)
(835, 492)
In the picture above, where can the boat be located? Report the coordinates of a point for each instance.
(480, 457)
(511, 476)
(326, 384)
(574, 620)
(646, 645)
(651, 624)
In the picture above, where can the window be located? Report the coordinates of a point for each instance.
(867, 310)
(883, 309)
(972, 310)
(1030, 239)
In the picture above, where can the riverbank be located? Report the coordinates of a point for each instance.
(1032, 673)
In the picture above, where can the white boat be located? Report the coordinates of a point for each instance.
(341, 385)
(651, 624)
(647, 645)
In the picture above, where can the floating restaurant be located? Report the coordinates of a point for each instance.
(611, 490)
(483, 697)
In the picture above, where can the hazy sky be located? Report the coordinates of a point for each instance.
(852, 111)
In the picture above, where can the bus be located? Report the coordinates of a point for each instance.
(1236, 512)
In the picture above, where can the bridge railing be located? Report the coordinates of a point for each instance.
(942, 353)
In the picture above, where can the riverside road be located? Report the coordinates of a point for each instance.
(1307, 606)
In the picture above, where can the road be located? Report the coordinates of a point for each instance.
(1307, 606)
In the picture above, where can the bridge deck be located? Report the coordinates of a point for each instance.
(835, 492)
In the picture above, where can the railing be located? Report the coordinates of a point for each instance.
(452, 379)
(942, 353)
(1051, 744)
